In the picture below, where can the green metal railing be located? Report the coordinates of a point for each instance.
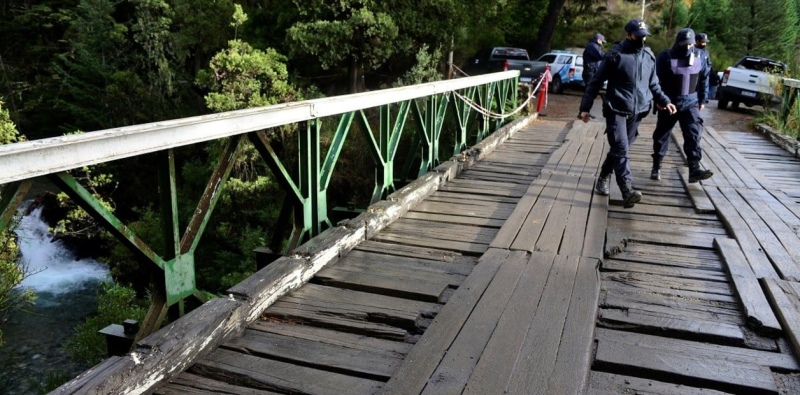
(420, 109)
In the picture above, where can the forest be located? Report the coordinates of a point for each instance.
(73, 66)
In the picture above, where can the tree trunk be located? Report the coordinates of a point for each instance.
(356, 79)
(545, 35)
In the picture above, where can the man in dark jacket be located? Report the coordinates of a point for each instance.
(683, 71)
(700, 42)
(629, 68)
(592, 56)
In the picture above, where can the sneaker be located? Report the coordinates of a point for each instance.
(655, 174)
(631, 198)
(601, 187)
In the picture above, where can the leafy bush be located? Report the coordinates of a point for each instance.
(115, 304)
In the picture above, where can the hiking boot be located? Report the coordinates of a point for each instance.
(630, 196)
(655, 173)
(696, 173)
(601, 187)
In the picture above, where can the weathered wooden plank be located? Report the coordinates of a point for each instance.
(618, 240)
(469, 198)
(738, 227)
(368, 306)
(608, 383)
(417, 252)
(455, 219)
(379, 283)
(617, 265)
(192, 384)
(687, 284)
(620, 283)
(559, 216)
(702, 350)
(426, 229)
(644, 224)
(452, 374)
(263, 373)
(754, 302)
(497, 361)
(667, 221)
(679, 324)
(701, 202)
(451, 245)
(413, 373)
(573, 361)
(687, 308)
(763, 207)
(785, 299)
(789, 217)
(327, 336)
(539, 351)
(341, 323)
(400, 272)
(359, 257)
(470, 211)
(508, 232)
(693, 258)
(578, 227)
(781, 260)
(684, 366)
(374, 365)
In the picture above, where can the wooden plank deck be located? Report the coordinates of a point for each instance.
(515, 278)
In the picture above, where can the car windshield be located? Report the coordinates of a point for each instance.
(762, 65)
(511, 54)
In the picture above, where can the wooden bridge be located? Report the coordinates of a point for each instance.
(498, 271)
(503, 273)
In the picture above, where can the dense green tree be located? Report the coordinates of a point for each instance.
(12, 272)
(763, 28)
(348, 33)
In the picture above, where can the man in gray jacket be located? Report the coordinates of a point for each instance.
(629, 68)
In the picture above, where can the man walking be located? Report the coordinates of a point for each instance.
(700, 42)
(592, 56)
(629, 68)
(683, 72)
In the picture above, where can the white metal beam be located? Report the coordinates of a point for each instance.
(30, 159)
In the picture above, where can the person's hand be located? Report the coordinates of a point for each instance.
(671, 108)
(585, 116)
(701, 106)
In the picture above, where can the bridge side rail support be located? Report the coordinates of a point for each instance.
(163, 355)
(307, 192)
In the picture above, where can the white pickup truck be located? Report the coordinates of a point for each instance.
(750, 81)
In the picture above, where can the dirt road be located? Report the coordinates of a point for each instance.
(566, 105)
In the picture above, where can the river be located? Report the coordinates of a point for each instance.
(66, 290)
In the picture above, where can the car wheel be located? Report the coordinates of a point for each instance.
(722, 103)
(556, 86)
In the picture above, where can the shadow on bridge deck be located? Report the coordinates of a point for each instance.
(515, 278)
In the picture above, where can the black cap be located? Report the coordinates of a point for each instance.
(600, 37)
(685, 37)
(637, 27)
(702, 38)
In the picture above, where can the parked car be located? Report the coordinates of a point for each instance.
(494, 59)
(750, 82)
(566, 68)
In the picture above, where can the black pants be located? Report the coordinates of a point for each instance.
(621, 132)
(691, 126)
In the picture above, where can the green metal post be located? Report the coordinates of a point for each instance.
(11, 195)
